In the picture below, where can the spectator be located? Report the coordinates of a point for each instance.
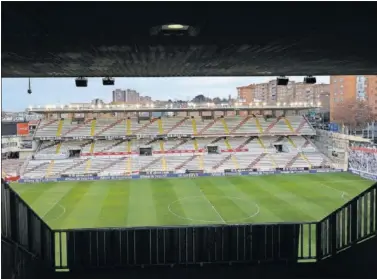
(365, 161)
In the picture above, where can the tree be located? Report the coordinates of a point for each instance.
(200, 99)
(217, 100)
(354, 114)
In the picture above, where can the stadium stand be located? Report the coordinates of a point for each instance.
(363, 160)
(178, 126)
(11, 167)
(235, 142)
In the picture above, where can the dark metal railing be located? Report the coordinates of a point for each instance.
(248, 243)
(24, 229)
(354, 222)
(18, 263)
(185, 245)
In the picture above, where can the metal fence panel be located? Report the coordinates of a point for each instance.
(184, 245)
(122, 247)
(22, 226)
(353, 222)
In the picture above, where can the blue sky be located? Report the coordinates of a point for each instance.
(63, 91)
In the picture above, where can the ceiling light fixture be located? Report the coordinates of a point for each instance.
(81, 82)
(282, 80)
(310, 80)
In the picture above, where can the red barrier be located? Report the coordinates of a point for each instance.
(364, 149)
(12, 178)
(22, 129)
(159, 152)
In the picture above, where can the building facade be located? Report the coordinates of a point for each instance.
(271, 94)
(128, 96)
(261, 92)
(350, 89)
(245, 94)
(372, 92)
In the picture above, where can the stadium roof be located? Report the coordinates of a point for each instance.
(45, 39)
(119, 108)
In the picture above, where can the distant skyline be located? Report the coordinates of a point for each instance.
(48, 91)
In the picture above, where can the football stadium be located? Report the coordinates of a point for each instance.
(271, 183)
(99, 168)
(128, 172)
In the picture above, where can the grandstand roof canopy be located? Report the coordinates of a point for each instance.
(156, 109)
(43, 39)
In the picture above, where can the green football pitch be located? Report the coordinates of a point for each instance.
(183, 201)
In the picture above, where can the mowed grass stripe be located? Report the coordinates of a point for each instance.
(311, 200)
(292, 194)
(56, 218)
(246, 202)
(344, 182)
(49, 197)
(228, 207)
(280, 202)
(327, 198)
(31, 192)
(163, 191)
(86, 212)
(195, 205)
(114, 208)
(32, 195)
(281, 198)
(141, 206)
(251, 191)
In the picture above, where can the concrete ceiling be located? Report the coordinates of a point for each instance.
(121, 39)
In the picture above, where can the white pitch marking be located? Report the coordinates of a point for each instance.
(210, 221)
(343, 193)
(61, 214)
(53, 205)
(213, 207)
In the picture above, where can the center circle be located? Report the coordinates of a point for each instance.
(194, 201)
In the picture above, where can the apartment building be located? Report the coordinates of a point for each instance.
(245, 94)
(351, 89)
(272, 94)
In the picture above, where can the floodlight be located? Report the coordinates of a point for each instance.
(310, 80)
(282, 80)
(81, 82)
(108, 81)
